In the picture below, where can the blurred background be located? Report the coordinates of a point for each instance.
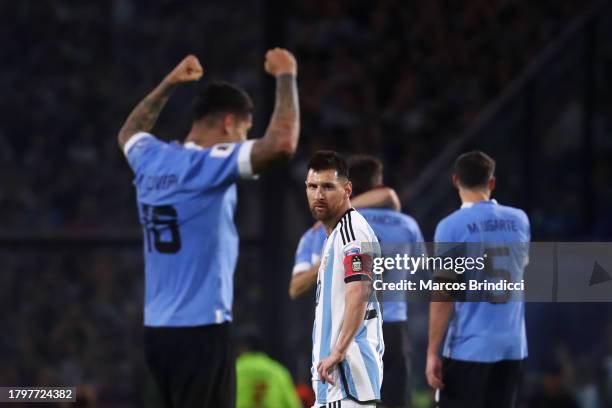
(413, 83)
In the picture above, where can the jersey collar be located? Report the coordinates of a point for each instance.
(470, 204)
(191, 145)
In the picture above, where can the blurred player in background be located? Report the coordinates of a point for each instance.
(347, 335)
(486, 342)
(262, 382)
(390, 226)
(308, 253)
(186, 200)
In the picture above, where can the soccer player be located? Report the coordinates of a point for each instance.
(186, 200)
(390, 227)
(486, 342)
(347, 335)
(308, 253)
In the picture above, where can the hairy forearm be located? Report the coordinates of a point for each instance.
(383, 197)
(354, 313)
(303, 281)
(284, 127)
(439, 316)
(145, 114)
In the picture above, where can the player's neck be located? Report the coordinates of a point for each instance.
(474, 196)
(205, 136)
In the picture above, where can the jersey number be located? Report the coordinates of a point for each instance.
(500, 273)
(160, 219)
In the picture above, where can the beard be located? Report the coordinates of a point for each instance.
(320, 212)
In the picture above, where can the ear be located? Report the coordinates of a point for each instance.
(229, 122)
(456, 181)
(348, 189)
(491, 183)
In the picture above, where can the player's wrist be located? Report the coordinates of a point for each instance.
(339, 354)
(289, 74)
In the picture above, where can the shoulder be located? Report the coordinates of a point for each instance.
(446, 226)
(451, 219)
(140, 141)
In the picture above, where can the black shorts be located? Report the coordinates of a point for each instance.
(192, 366)
(396, 390)
(480, 385)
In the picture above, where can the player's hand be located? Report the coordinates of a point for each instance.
(188, 70)
(279, 61)
(433, 371)
(328, 365)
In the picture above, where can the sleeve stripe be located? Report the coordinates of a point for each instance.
(342, 231)
(345, 229)
(350, 222)
(245, 167)
(301, 267)
(133, 140)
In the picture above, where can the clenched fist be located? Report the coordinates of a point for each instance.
(188, 70)
(280, 61)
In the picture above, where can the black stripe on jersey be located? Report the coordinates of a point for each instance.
(342, 232)
(350, 223)
(346, 231)
(347, 211)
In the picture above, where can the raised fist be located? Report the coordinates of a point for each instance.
(188, 70)
(280, 61)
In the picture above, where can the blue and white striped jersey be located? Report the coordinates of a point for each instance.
(346, 257)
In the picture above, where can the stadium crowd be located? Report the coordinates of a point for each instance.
(395, 80)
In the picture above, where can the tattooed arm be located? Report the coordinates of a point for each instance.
(144, 115)
(281, 138)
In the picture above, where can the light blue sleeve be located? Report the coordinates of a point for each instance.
(443, 232)
(141, 149)
(318, 242)
(303, 254)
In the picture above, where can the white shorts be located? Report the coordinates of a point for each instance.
(345, 403)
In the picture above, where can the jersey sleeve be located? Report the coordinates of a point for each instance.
(303, 254)
(357, 256)
(309, 249)
(224, 163)
(443, 232)
(318, 242)
(445, 246)
(140, 149)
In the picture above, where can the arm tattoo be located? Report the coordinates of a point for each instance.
(145, 114)
(287, 107)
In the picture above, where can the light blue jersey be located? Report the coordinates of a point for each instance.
(390, 227)
(482, 331)
(309, 249)
(186, 201)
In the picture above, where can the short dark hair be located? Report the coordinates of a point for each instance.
(474, 169)
(221, 98)
(366, 173)
(329, 160)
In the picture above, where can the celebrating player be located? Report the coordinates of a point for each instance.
(347, 335)
(486, 342)
(186, 200)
